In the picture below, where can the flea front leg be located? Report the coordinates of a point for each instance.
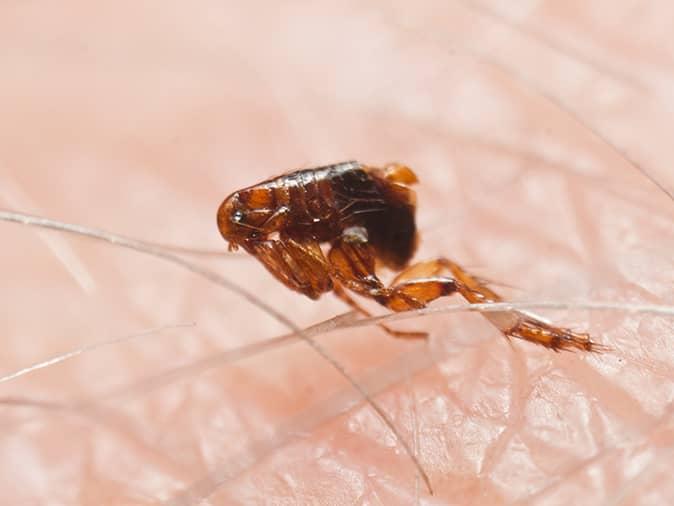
(300, 266)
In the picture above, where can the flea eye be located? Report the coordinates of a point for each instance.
(237, 216)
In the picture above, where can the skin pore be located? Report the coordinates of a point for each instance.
(140, 118)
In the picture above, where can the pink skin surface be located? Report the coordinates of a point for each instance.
(140, 117)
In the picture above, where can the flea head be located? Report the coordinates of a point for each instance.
(233, 222)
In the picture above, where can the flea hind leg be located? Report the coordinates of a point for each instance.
(510, 323)
(352, 262)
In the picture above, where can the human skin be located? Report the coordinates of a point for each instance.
(523, 123)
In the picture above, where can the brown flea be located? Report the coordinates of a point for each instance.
(366, 215)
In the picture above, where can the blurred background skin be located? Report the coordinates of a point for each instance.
(140, 117)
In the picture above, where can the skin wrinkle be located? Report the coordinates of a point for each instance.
(584, 125)
(117, 426)
(512, 229)
(503, 224)
(565, 474)
(613, 398)
(600, 183)
(640, 477)
(569, 52)
(259, 137)
(538, 161)
(80, 406)
(515, 413)
(292, 430)
(595, 255)
(415, 426)
(560, 480)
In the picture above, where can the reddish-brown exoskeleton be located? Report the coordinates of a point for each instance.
(365, 214)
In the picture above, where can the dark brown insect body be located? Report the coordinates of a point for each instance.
(320, 204)
(366, 214)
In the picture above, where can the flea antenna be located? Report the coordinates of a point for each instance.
(214, 277)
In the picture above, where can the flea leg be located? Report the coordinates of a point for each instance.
(512, 323)
(300, 266)
(352, 262)
(345, 297)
